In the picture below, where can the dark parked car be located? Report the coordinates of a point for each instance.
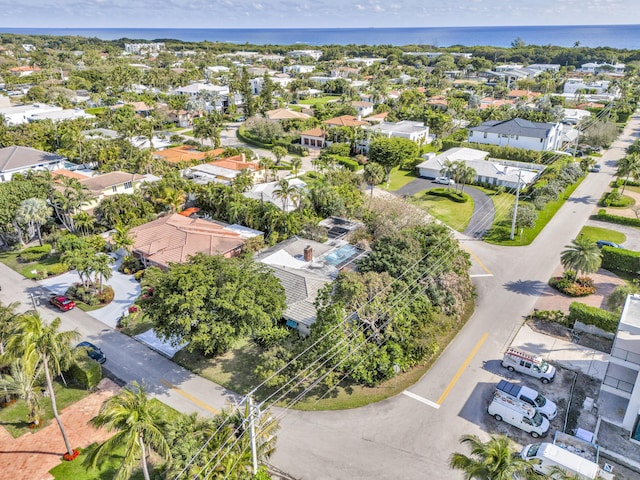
(93, 351)
(596, 168)
(606, 243)
(62, 302)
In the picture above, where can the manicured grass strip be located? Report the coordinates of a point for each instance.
(456, 215)
(319, 100)
(398, 179)
(499, 233)
(598, 233)
(106, 468)
(14, 416)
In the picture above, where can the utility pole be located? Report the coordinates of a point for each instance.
(515, 207)
(252, 433)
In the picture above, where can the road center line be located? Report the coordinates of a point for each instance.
(462, 368)
(421, 399)
(189, 397)
(475, 257)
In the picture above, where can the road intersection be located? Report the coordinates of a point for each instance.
(407, 436)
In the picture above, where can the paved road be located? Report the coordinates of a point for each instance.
(483, 209)
(403, 437)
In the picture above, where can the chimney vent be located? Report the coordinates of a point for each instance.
(308, 254)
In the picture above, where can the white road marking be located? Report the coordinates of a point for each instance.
(481, 275)
(421, 399)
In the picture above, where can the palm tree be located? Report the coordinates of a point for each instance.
(7, 322)
(265, 163)
(43, 346)
(84, 222)
(136, 422)
(34, 212)
(102, 269)
(279, 152)
(449, 169)
(466, 175)
(25, 383)
(493, 460)
(296, 163)
(582, 256)
(629, 166)
(283, 191)
(374, 174)
(121, 238)
(243, 181)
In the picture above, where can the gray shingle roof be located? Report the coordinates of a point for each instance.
(15, 157)
(515, 126)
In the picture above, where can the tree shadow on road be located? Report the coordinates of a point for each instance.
(527, 287)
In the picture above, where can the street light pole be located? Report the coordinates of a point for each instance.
(515, 207)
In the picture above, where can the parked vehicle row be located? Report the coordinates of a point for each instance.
(521, 415)
(517, 361)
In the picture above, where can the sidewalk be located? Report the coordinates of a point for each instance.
(31, 456)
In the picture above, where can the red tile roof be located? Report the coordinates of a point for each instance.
(345, 121)
(314, 132)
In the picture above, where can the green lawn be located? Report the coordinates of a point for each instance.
(502, 202)
(597, 233)
(137, 325)
(319, 100)
(187, 133)
(500, 232)
(14, 416)
(10, 259)
(398, 179)
(456, 215)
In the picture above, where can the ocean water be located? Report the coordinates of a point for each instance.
(616, 36)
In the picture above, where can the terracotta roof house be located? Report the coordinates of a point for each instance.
(312, 138)
(185, 153)
(63, 172)
(285, 114)
(16, 159)
(377, 117)
(345, 121)
(24, 70)
(175, 238)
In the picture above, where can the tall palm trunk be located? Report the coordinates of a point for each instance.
(143, 456)
(54, 407)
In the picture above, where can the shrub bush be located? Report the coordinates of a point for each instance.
(598, 317)
(620, 260)
(86, 372)
(107, 294)
(271, 336)
(557, 316)
(58, 268)
(130, 264)
(450, 194)
(34, 254)
(603, 216)
(82, 294)
(581, 287)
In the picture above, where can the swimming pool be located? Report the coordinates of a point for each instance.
(341, 255)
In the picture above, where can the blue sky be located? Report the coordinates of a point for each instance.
(313, 13)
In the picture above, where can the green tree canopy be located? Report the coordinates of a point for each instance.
(582, 256)
(392, 152)
(212, 301)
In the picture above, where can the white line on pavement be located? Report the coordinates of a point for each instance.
(481, 275)
(421, 399)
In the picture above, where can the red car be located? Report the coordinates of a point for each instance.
(63, 303)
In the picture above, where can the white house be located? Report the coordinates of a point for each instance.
(364, 109)
(599, 87)
(298, 69)
(595, 68)
(619, 398)
(60, 115)
(488, 171)
(366, 61)
(17, 159)
(196, 88)
(574, 116)
(315, 54)
(20, 114)
(314, 138)
(267, 192)
(518, 133)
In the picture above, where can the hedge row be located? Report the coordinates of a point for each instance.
(607, 321)
(621, 260)
(495, 151)
(450, 194)
(86, 372)
(603, 216)
(34, 254)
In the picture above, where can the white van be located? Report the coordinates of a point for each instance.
(518, 361)
(528, 395)
(505, 408)
(548, 458)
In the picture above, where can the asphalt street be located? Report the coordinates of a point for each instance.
(413, 436)
(408, 436)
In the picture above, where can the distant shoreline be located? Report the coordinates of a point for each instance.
(591, 36)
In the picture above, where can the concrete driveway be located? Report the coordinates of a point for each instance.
(126, 289)
(483, 209)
